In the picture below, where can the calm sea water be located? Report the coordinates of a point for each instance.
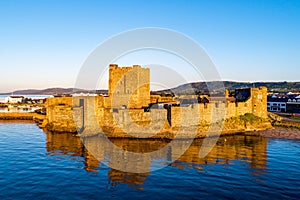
(39, 165)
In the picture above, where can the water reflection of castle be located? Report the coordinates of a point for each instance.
(247, 149)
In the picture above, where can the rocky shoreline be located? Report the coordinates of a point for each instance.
(231, 127)
(278, 132)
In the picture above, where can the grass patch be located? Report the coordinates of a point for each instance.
(249, 117)
(287, 124)
(294, 117)
(291, 117)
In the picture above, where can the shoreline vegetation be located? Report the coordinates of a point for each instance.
(247, 124)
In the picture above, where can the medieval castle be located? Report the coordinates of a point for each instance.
(130, 109)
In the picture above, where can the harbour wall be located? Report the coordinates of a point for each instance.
(38, 118)
(16, 116)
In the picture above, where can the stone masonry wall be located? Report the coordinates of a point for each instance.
(62, 113)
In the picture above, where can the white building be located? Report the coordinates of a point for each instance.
(283, 102)
(15, 99)
(276, 104)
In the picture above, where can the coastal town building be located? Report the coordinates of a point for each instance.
(27, 99)
(293, 105)
(284, 102)
(14, 99)
(276, 104)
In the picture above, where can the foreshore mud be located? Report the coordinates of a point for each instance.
(278, 132)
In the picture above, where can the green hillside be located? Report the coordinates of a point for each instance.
(216, 87)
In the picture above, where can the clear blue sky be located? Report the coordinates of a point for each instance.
(44, 43)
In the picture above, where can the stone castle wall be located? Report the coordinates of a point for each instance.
(59, 114)
(205, 113)
(93, 113)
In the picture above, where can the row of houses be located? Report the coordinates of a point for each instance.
(284, 102)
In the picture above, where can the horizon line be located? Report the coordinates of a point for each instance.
(62, 87)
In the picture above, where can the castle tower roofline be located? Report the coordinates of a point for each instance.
(113, 66)
(137, 66)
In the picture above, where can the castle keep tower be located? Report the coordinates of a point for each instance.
(129, 86)
(259, 101)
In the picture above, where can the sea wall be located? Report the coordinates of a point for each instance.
(21, 116)
(38, 118)
(16, 116)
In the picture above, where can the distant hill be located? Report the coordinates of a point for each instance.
(50, 91)
(189, 88)
(202, 87)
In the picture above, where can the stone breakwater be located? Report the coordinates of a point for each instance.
(38, 118)
(16, 116)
